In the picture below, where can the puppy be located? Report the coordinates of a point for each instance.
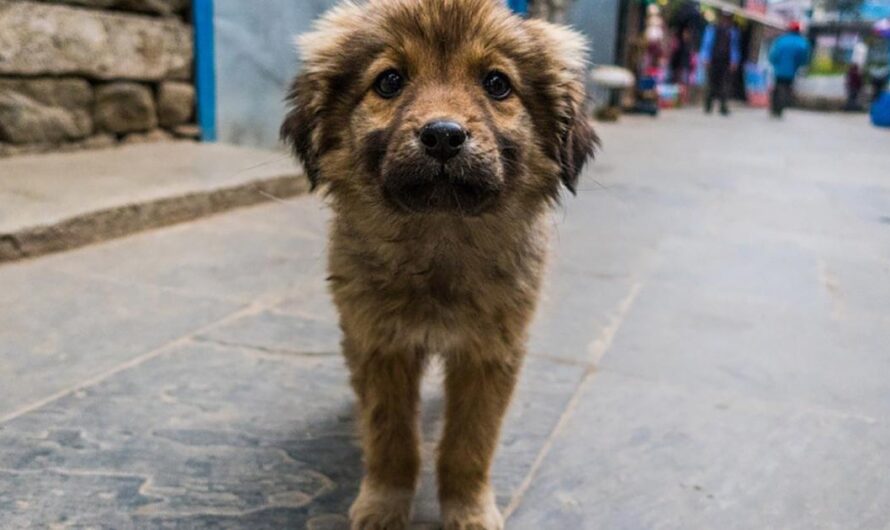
(441, 132)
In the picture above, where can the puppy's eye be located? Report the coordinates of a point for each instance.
(497, 85)
(389, 84)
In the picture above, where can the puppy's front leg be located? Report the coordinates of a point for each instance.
(477, 392)
(388, 389)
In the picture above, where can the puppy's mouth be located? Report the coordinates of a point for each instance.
(468, 192)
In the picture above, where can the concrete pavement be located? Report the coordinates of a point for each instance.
(61, 201)
(711, 352)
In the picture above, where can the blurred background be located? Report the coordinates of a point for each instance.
(94, 73)
(711, 345)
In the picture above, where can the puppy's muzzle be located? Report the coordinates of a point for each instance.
(443, 173)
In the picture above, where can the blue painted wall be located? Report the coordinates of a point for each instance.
(255, 61)
(256, 58)
(598, 21)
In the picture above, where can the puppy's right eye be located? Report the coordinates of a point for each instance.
(389, 84)
(497, 85)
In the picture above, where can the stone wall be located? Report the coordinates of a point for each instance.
(94, 73)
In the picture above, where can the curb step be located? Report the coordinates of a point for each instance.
(51, 203)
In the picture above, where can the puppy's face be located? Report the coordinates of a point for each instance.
(440, 131)
(452, 106)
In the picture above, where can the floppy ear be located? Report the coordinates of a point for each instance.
(577, 147)
(562, 69)
(299, 128)
(328, 55)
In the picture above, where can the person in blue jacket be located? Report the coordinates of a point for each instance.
(788, 53)
(721, 53)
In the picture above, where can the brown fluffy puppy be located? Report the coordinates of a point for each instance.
(441, 131)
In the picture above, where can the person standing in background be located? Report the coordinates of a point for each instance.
(787, 55)
(681, 56)
(854, 87)
(878, 74)
(721, 54)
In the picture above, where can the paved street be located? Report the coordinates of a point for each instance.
(711, 353)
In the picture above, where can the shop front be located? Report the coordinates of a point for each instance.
(662, 41)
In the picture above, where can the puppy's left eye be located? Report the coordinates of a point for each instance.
(497, 84)
(389, 84)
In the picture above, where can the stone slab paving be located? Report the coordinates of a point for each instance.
(58, 330)
(643, 454)
(710, 352)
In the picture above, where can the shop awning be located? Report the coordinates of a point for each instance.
(760, 18)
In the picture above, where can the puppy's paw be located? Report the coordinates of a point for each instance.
(379, 508)
(479, 515)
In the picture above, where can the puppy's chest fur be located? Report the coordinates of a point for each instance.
(423, 283)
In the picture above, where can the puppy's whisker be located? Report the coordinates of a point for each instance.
(600, 187)
(600, 184)
(460, 208)
(274, 198)
(262, 164)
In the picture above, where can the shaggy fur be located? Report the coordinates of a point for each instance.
(457, 272)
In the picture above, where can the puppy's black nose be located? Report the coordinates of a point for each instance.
(442, 138)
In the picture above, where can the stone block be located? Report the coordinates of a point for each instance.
(279, 333)
(189, 261)
(204, 437)
(786, 353)
(125, 107)
(157, 135)
(188, 131)
(98, 141)
(158, 7)
(44, 110)
(639, 454)
(61, 329)
(176, 103)
(44, 39)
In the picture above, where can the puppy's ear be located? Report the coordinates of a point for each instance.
(331, 54)
(299, 128)
(562, 69)
(577, 147)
